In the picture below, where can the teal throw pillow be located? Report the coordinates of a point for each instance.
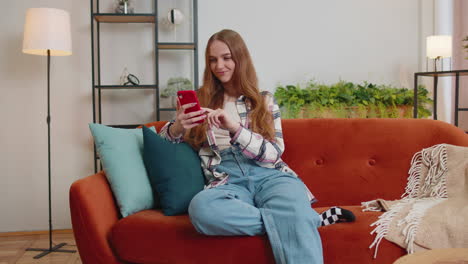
(174, 171)
(121, 154)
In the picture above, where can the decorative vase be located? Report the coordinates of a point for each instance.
(175, 16)
(124, 7)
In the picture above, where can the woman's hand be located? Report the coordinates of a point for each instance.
(220, 119)
(186, 121)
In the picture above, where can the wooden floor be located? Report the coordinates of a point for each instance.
(13, 245)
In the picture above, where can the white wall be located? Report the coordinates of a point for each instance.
(291, 42)
(361, 40)
(23, 136)
(444, 26)
(459, 55)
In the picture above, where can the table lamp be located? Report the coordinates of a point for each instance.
(438, 47)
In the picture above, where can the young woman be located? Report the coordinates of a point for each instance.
(250, 190)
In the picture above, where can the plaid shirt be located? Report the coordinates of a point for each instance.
(265, 153)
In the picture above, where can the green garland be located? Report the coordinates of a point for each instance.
(347, 99)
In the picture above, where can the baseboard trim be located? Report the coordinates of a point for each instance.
(39, 232)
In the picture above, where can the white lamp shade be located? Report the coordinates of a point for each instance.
(439, 46)
(47, 29)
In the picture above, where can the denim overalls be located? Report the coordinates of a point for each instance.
(257, 200)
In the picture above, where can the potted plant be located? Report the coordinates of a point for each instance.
(176, 84)
(465, 46)
(347, 99)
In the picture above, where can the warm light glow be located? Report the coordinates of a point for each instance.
(47, 29)
(439, 46)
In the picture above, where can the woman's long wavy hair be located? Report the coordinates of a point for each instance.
(211, 94)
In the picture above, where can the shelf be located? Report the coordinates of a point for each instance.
(175, 45)
(132, 87)
(121, 18)
(443, 73)
(188, 45)
(453, 73)
(124, 126)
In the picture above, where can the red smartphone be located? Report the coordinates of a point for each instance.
(188, 97)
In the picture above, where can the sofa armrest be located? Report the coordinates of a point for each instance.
(93, 214)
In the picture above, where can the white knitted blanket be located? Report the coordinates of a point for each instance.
(433, 211)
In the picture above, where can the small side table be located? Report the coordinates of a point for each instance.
(436, 75)
(436, 256)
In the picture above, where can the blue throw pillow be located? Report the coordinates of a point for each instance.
(121, 154)
(174, 171)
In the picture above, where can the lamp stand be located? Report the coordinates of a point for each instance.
(55, 248)
(435, 62)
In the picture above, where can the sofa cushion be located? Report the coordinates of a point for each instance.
(174, 171)
(151, 237)
(349, 242)
(121, 154)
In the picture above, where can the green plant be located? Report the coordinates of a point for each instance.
(465, 46)
(347, 99)
(176, 84)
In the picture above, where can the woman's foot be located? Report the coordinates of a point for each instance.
(336, 215)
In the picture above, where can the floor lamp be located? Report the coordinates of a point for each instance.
(47, 33)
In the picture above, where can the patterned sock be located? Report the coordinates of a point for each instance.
(336, 215)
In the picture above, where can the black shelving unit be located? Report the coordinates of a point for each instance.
(97, 87)
(435, 76)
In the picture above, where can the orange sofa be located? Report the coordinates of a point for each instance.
(343, 162)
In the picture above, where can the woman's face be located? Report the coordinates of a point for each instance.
(221, 63)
